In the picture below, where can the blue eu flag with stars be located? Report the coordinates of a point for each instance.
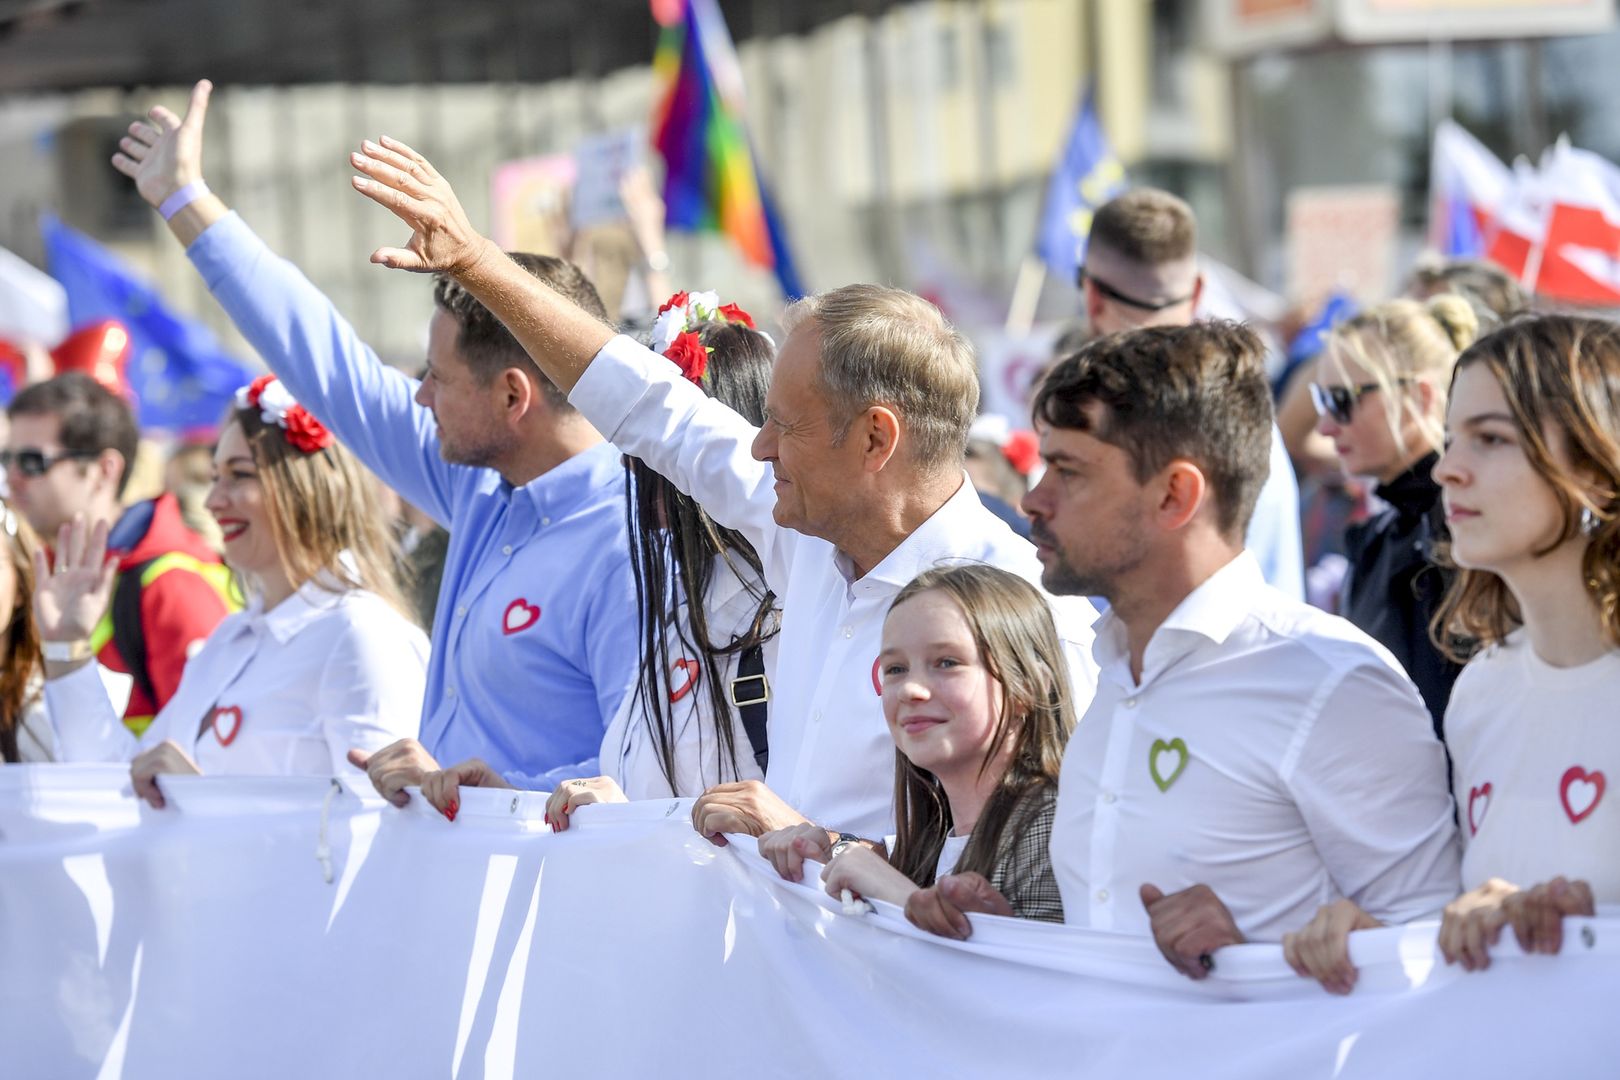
(181, 376)
(1087, 175)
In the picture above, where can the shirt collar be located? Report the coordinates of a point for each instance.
(315, 596)
(586, 478)
(1209, 613)
(936, 540)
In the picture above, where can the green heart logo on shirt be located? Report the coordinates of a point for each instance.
(1156, 757)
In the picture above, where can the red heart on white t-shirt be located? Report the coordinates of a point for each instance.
(877, 683)
(1581, 792)
(1479, 798)
(231, 713)
(520, 615)
(690, 668)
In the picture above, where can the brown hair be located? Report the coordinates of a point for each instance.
(488, 346)
(21, 666)
(1196, 393)
(1404, 340)
(883, 346)
(1147, 226)
(1561, 377)
(322, 506)
(93, 418)
(1013, 630)
(1489, 289)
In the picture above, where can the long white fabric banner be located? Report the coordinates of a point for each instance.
(287, 927)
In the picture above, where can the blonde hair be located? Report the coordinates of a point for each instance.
(883, 346)
(1403, 341)
(322, 506)
(1560, 375)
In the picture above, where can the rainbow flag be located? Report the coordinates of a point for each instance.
(711, 180)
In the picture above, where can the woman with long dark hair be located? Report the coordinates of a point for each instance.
(25, 733)
(697, 715)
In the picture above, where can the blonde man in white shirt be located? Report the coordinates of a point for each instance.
(1531, 484)
(853, 485)
(321, 660)
(1246, 757)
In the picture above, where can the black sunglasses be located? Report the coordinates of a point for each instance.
(1129, 301)
(35, 463)
(1340, 402)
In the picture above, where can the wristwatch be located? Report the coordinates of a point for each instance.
(844, 842)
(67, 651)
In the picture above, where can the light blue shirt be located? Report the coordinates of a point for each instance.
(534, 643)
(1274, 533)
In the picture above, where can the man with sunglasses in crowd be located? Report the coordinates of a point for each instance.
(68, 454)
(1141, 270)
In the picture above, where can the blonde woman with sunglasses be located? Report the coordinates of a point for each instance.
(1380, 396)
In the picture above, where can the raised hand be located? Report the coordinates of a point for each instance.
(71, 598)
(398, 178)
(165, 155)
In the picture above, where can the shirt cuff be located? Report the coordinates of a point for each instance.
(613, 382)
(83, 720)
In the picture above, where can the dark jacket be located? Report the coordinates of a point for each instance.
(1395, 588)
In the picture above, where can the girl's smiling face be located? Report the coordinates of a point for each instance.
(236, 499)
(941, 704)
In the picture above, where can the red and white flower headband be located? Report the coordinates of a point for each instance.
(674, 334)
(277, 406)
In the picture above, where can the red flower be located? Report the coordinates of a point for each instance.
(256, 388)
(690, 356)
(305, 432)
(678, 300)
(733, 313)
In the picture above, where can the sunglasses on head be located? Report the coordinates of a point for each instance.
(36, 463)
(1122, 298)
(1339, 402)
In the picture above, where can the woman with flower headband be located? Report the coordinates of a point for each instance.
(321, 660)
(697, 715)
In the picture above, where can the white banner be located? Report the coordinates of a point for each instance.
(205, 940)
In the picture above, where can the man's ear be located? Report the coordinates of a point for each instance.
(111, 465)
(1183, 492)
(515, 393)
(1197, 290)
(878, 428)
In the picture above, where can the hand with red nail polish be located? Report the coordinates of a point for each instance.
(442, 789)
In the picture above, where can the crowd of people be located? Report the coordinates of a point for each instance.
(711, 566)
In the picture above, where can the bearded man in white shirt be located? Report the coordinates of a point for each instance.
(1246, 757)
(853, 486)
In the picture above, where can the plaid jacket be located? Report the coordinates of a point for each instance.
(1023, 871)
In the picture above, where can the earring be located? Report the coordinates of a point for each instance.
(1589, 521)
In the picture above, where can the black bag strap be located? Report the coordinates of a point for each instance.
(129, 630)
(750, 693)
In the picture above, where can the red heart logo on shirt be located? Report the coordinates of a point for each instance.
(231, 713)
(1581, 792)
(520, 615)
(1480, 797)
(690, 667)
(877, 682)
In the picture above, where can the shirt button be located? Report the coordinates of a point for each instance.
(1102, 896)
(545, 521)
(1108, 797)
(507, 550)
(849, 631)
(449, 691)
(1130, 703)
(461, 611)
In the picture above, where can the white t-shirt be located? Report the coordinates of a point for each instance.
(1533, 750)
(629, 751)
(950, 853)
(1270, 751)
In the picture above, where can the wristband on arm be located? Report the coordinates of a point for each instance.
(183, 198)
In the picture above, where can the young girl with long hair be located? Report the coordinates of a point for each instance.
(696, 717)
(1380, 396)
(322, 659)
(976, 695)
(1531, 481)
(25, 734)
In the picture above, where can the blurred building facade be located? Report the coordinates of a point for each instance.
(899, 138)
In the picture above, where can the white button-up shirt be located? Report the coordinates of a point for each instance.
(831, 754)
(1270, 751)
(279, 692)
(629, 752)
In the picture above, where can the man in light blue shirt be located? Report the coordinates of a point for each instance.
(1141, 270)
(534, 638)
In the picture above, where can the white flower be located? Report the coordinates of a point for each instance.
(275, 402)
(669, 326)
(703, 306)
